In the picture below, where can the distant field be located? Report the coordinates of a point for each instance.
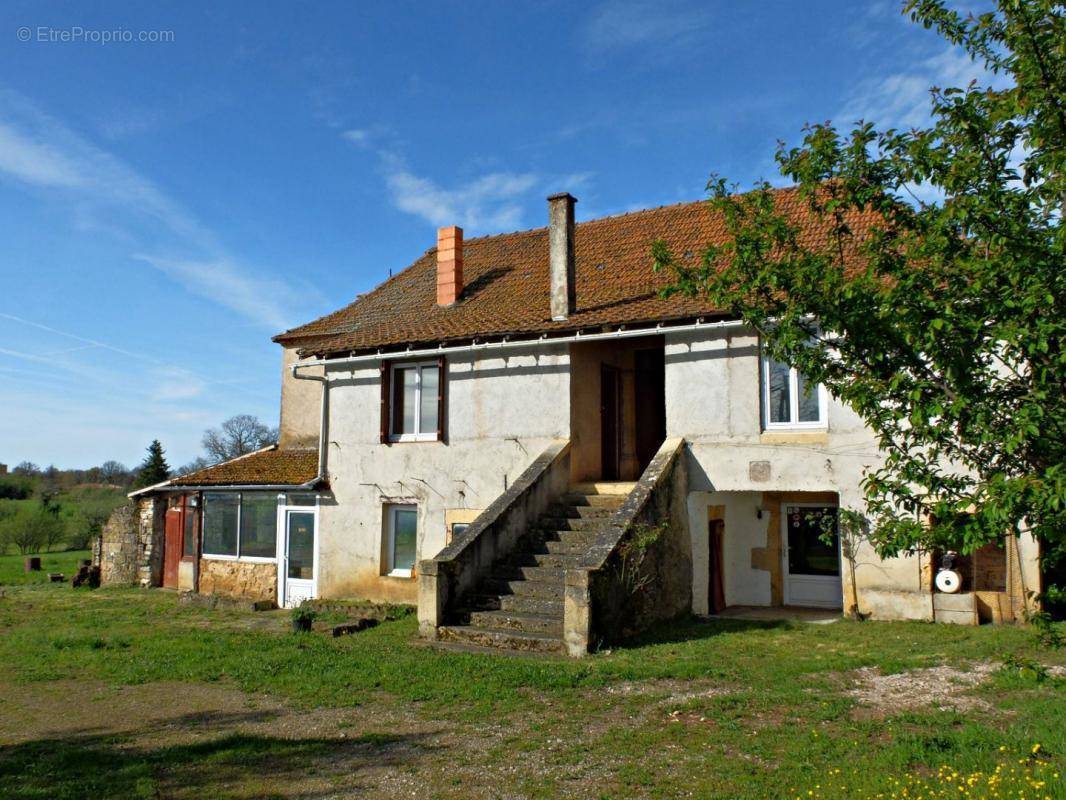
(12, 574)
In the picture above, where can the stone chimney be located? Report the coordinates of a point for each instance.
(449, 265)
(561, 249)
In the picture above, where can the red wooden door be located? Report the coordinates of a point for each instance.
(172, 547)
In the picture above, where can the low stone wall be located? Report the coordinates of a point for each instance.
(625, 585)
(130, 550)
(239, 579)
(443, 580)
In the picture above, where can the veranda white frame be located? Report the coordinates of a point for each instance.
(238, 557)
(284, 508)
(787, 579)
(390, 552)
(418, 435)
(793, 402)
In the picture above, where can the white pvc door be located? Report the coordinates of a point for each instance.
(811, 558)
(298, 567)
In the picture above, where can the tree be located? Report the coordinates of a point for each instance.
(195, 465)
(114, 472)
(27, 468)
(154, 469)
(32, 529)
(237, 436)
(942, 326)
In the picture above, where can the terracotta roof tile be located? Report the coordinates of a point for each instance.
(507, 283)
(271, 467)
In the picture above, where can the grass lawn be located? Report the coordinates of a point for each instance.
(127, 693)
(13, 574)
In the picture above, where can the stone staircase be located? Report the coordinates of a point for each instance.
(519, 604)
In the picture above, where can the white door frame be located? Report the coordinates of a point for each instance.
(283, 551)
(832, 598)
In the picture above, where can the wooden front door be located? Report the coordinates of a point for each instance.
(172, 546)
(610, 422)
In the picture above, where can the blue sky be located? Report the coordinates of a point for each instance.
(166, 207)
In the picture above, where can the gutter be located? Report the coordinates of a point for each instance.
(506, 343)
(323, 423)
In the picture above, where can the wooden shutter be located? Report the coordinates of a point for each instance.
(442, 406)
(386, 379)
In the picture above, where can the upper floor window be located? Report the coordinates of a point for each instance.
(789, 400)
(413, 401)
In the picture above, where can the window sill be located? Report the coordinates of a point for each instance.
(413, 438)
(794, 436)
(400, 573)
(242, 559)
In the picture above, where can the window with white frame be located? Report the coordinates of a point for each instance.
(401, 522)
(789, 400)
(240, 525)
(415, 401)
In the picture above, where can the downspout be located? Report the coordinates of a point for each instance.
(323, 424)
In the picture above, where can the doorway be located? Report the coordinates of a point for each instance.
(298, 564)
(181, 526)
(610, 422)
(650, 402)
(811, 555)
(715, 568)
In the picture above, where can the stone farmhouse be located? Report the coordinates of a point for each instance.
(520, 435)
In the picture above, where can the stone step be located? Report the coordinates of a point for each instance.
(540, 589)
(514, 621)
(505, 639)
(551, 560)
(621, 488)
(601, 500)
(569, 546)
(529, 573)
(584, 512)
(521, 604)
(571, 523)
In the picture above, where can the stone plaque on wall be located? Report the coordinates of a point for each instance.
(759, 471)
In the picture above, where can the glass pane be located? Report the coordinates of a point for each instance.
(403, 400)
(459, 528)
(808, 399)
(427, 414)
(780, 400)
(809, 553)
(220, 524)
(301, 545)
(300, 500)
(188, 547)
(259, 525)
(404, 538)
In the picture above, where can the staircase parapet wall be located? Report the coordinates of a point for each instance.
(494, 534)
(623, 585)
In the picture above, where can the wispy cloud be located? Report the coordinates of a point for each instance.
(490, 202)
(258, 298)
(901, 99)
(105, 194)
(662, 29)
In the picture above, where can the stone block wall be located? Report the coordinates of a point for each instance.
(239, 579)
(130, 549)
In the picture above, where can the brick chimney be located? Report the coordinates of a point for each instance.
(561, 250)
(449, 265)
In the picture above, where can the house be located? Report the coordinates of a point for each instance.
(518, 433)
